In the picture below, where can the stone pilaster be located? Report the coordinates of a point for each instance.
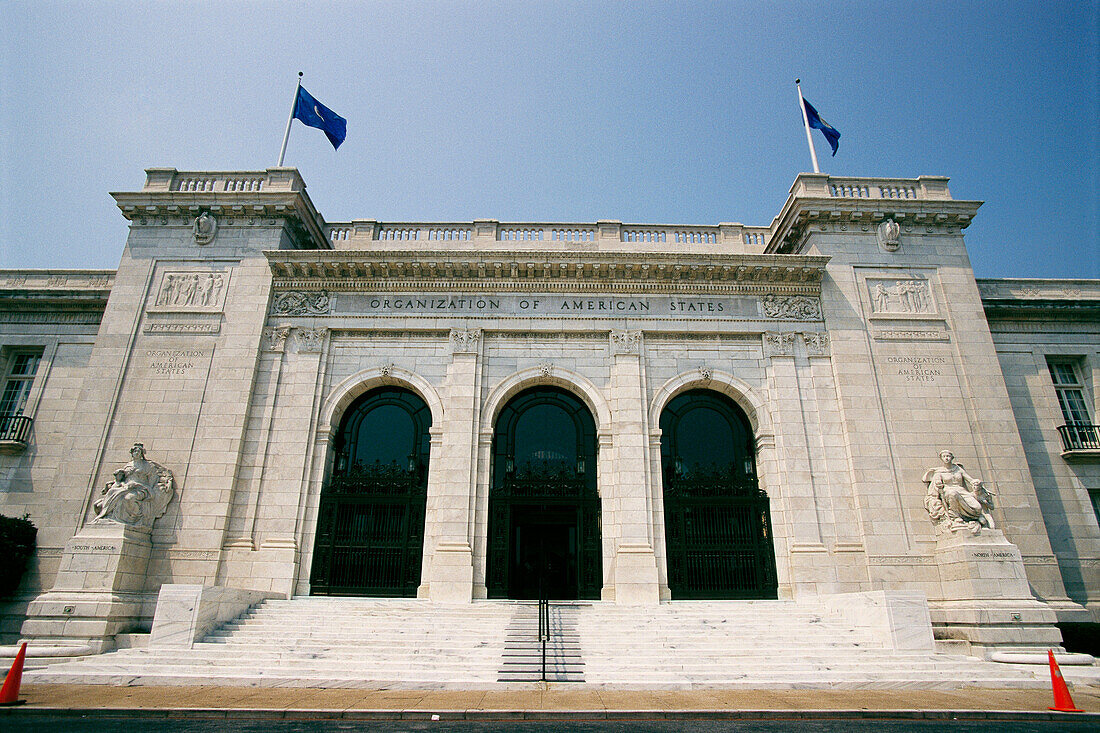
(449, 534)
(633, 572)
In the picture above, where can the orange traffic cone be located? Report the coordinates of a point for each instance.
(9, 694)
(1063, 703)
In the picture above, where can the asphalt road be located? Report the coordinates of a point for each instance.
(13, 721)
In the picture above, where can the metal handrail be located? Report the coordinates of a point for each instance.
(544, 625)
(1080, 436)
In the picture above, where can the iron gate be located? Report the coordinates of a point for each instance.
(370, 533)
(718, 538)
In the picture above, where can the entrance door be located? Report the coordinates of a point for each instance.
(544, 554)
(718, 538)
(544, 511)
(370, 524)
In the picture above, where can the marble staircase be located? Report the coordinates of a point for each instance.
(522, 661)
(376, 643)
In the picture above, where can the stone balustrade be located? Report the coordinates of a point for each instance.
(606, 232)
(271, 179)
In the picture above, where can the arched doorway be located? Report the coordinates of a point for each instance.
(544, 510)
(370, 526)
(718, 536)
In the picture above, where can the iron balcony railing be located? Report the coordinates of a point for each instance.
(15, 428)
(1079, 436)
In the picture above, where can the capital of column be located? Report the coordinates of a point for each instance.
(626, 343)
(465, 340)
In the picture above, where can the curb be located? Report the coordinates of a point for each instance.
(549, 715)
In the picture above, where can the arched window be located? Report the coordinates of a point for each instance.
(717, 527)
(543, 505)
(370, 527)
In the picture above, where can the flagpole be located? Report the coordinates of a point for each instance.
(294, 106)
(805, 122)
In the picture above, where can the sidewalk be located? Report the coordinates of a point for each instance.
(556, 701)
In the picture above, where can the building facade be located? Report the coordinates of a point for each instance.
(634, 414)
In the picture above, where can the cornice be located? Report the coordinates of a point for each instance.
(277, 193)
(55, 290)
(815, 199)
(548, 270)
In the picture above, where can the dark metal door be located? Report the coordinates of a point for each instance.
(544, 509)
(718, 538)
(370, 524)
(370, 533)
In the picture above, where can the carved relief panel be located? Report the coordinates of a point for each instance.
(190, 292)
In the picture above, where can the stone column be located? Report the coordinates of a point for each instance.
(449, 533)
(634, 566)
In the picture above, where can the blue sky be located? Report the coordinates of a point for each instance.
(556, 111)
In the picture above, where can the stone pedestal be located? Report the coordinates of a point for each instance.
(634, 575)
(987, 601)
(451, 577)
(98, 591)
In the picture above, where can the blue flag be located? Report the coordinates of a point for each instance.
(313, 113)
(814, 119)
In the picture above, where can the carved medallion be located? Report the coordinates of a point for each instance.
(888, 233)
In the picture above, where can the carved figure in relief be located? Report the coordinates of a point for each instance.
(215, 288)
(955, 499)
(882, 298)
(139, 494)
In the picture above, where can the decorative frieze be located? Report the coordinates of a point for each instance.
(575, 271)
(626, 342)
(911, 335)
(310, 339)
(301, 303)
(791, 308)
(465, 340)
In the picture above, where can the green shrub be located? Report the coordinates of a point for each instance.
(16, 547)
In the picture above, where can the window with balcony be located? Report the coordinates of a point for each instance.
(1079, 434)
(20, 368)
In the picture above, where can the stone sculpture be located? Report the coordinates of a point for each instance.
(955, 499)
(139, 494)
(204, 228)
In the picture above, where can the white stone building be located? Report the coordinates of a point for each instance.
(631, 413)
